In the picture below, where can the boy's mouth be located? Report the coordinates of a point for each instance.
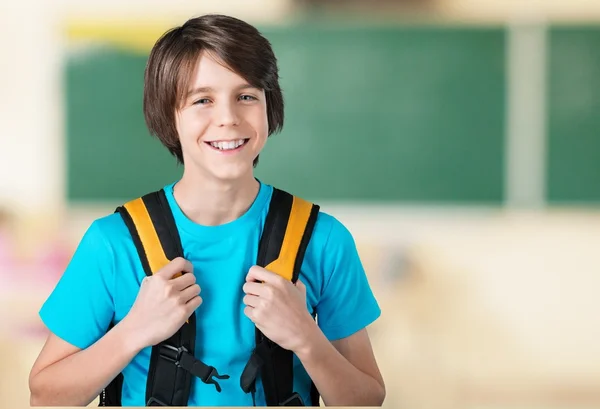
(227, 145)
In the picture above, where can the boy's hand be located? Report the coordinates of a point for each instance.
(278, 309)
(164, 303)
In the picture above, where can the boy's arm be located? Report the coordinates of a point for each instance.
(336, 353)
(65, 375)
(344, 371)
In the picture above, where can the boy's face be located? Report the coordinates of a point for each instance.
(222, 123)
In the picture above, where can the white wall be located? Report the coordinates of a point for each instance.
(503, 10)
(31, 153)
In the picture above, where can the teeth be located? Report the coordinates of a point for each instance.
(227, 145)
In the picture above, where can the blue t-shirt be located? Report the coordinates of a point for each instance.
(103, 278)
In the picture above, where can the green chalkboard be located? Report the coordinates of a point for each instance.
(573, 168)
(110, 153)
(372, 114)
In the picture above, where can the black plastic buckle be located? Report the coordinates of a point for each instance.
(214, 374)
(294, 400)
(171, 353)
(196, 367)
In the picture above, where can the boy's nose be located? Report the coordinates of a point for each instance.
(227, 115)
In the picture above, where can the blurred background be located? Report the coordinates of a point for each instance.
(458, 140)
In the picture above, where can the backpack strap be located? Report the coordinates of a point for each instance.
(172, 362)
(152, 227)
(287, 231)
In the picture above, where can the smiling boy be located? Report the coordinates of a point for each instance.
(212, 97)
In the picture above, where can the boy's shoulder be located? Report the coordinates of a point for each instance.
(109, 232)
(327, 224)
(111, 225)
(329, 231)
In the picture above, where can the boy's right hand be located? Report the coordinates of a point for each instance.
(163, 303)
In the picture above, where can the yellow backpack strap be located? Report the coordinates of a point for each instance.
(286, 234)
(153, 230)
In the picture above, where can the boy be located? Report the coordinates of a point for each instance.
(212, 97)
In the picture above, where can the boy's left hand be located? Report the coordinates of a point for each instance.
(278, 309)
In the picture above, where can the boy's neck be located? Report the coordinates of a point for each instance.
(211, 202)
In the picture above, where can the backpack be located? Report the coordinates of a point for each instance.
(286, 234)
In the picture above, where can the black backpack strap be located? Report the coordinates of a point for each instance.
(285, 237)
(172, 362)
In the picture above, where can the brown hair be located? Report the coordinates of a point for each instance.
(172, 60)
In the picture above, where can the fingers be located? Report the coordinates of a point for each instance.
(189, 293)
(257, 273)
(251, 300)
(183, 281)
(249, 312)
(193, 304)
(175, 266)
(258, 289)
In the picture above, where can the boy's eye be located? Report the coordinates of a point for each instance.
(202, 101)
(247, 98)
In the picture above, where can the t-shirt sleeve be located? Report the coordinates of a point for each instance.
(347, 303)
(80, 308)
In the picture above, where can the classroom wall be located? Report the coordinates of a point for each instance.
(377, 113)
(36, 37)
(485, 305)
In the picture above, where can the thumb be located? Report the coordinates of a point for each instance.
(175, 267)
